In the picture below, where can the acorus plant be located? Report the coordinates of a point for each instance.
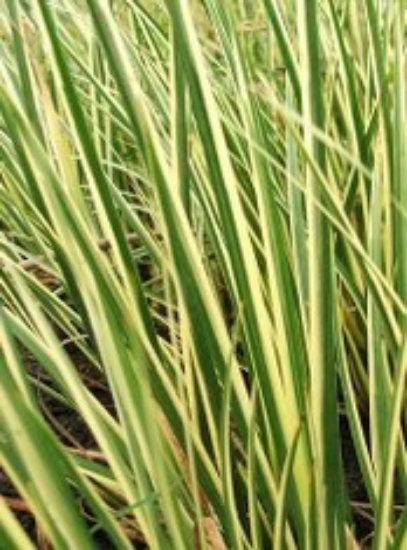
(205, 204)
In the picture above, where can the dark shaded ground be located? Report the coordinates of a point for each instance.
(361, 509)
(73, 432)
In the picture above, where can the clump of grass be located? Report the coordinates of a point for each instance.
(207, 205)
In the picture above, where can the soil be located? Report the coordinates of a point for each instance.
(73, 432)
(360, 508)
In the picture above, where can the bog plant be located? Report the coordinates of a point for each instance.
(205, 204)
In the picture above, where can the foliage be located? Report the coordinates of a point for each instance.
(206, 206)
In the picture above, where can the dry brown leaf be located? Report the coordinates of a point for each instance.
(211, 535)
